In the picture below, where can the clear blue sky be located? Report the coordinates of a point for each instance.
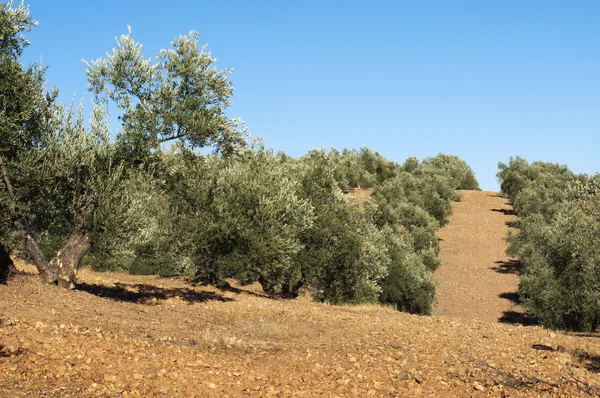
(483, 80)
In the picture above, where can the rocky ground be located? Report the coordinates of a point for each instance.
(121, 335)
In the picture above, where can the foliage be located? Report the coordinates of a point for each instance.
(244, 219)
(409, 286)
(25, 104)
(557, 242)
(396, 205)
(181, 96)
(343, 257)
(539, 188)
(457, 170)
(71, 166)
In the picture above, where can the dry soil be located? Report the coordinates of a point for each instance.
(119, 335)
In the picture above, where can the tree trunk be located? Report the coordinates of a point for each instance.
(7, 268)
(63, 267)
(67, 260)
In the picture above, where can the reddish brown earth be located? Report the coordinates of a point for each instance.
(476, 279)
(119, 336)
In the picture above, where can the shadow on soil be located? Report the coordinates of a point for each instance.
(508, 267)
(585, 334)
(512, 224)
(506, 212)
(148, 294)
(588, 361)
(517, 318)
(513, 297)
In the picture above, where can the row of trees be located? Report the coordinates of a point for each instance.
(557, 243)
(148, 201)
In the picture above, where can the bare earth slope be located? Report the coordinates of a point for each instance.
(118, 336)
(476, 279)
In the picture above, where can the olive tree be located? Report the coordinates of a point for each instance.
(58, 175)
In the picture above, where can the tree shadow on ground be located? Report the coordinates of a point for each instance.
(228, 287)
(506, 212)
(148, 294)
(508, 267)
(584, 334)
(513, 297)
(237, 290)
(589, 361)
(517, 318)
(512, 224)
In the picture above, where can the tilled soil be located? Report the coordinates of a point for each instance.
(120, 335)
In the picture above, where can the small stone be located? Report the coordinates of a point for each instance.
(138, 376)
(418, 378)
(212, 386)
(561, 349)
(478, 387)
(403, 375)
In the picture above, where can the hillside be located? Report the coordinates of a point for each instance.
(122, 335)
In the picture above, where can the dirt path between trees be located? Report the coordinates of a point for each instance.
(477, 280)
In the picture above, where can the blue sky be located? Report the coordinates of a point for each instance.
(484, 80)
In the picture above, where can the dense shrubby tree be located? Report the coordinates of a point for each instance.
(343, 258)
(457, 170)
(557, 242)
(391, 205)
(536, 188)
(365, 168)
(409, 285)
(255, 222)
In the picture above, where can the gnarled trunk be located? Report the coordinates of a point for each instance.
(64, 266)
(65, 263)
(67, 260)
